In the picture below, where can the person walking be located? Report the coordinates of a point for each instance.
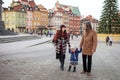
(71, 35)
(88, 44)
(110, 41)
(107, 40)
(61, 40)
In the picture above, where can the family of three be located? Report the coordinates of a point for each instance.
(87, 46)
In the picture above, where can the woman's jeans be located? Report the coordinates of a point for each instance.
(62, 60)
(87, 62)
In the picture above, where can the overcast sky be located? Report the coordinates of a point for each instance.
(86, 7)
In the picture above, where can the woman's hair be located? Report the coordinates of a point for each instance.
(61, 33)
(88, 26)
(62, 26)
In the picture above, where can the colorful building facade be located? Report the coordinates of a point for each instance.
(15, 20)
(70, 16)
(43, 17)
(56, 18)
(35, 16)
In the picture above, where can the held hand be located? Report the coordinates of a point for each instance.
(93, 51)
(80, 49)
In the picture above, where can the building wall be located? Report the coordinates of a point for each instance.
(14, 20)
(74, 23)
(21, 21)
(9, 19)
(44, 19)
(66, 20)
(51, 21)
(94, 26)
(58, 19)
(36, 19)
(29, 19)
(77, 23)
(71, 23)
(94, 22)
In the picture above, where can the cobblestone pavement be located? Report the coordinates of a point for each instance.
(19, 62)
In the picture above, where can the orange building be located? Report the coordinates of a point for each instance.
(43, 17)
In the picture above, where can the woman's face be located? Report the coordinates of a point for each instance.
(63, 29)
(85, 27)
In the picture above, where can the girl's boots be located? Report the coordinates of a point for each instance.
(69, 68)
(74, 69)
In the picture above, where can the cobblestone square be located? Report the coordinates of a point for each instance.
(18, 61)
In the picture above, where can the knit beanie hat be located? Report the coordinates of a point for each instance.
(73, 46)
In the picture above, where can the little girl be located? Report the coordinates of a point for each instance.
(74, 57)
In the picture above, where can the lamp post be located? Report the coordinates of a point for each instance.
(1, 22)
(1, 2)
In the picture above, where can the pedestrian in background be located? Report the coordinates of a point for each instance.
(107, 40)
(61, 40)
(88, 45)
(71, 35)
(110, 41)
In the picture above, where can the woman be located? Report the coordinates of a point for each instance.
(88, 45)
(107, 40)
(61, 40)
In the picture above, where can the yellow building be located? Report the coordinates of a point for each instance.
(25, 15)
(15, 19)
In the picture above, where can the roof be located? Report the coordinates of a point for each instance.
(76, 11)
(17, 7)
(42, 8)
(60, 9)
(90, 18)
(32, 3)
(25, 0)
(65, 6)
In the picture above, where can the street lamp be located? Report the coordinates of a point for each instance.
(1, 2)
(2, 27)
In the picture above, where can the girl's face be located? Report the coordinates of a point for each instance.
(72, 49)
